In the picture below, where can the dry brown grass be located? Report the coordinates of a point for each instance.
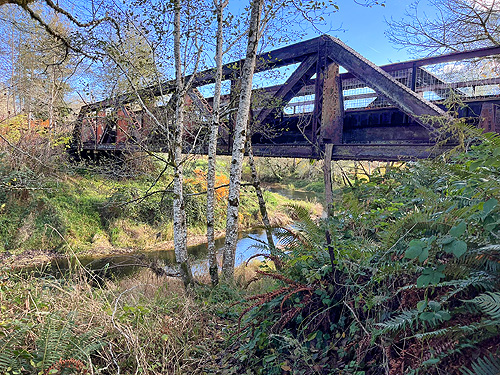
(148, 323)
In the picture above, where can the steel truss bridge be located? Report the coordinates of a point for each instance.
(366, 113)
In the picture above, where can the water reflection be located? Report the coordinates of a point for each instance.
(126, 265)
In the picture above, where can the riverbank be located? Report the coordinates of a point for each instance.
(31, 258)
(147, 238)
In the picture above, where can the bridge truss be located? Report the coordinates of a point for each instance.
(367, 113)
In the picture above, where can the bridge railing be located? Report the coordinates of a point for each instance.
(467, 79)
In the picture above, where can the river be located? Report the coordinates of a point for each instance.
(124, 265)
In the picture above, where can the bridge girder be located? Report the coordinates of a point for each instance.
(322, 57)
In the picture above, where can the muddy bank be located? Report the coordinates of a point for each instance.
(103, 248)
(31, 258)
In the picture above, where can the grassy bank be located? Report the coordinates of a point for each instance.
(92, 213)
(143, 324)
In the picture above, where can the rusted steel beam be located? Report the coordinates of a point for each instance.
(379, 80)
(282, 57)
(287, 91)
(382, 152)
(450, 57)
(269, 60)
(385, 152)
(304, 151)
(332, 114)
(455, 85)
(490, 117)
(386, 135)
(321, 66)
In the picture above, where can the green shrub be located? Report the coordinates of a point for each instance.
(413, 263)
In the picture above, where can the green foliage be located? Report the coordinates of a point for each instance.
(127, 202)
(56, 339)
(416, 265)
(489, 303)
(399, 322)
(489, 365)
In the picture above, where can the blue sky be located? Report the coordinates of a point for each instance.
(363, 29)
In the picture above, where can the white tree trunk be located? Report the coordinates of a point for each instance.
(180, 227)
(239, 141)
(212, 147)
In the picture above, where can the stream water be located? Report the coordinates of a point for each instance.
(124, 265)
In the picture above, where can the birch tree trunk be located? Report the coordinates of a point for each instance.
(239, 141)
(180, 227)
(212, 147)
(260, 197)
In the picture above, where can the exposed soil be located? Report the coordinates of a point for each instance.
(29, 258)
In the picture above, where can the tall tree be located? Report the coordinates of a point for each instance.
(169, 25)
(453, 25)
(38, 68)
(240, 133)
(219, 6)
(135, 53)
(180, 226)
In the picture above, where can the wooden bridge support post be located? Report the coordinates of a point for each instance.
(327, 169)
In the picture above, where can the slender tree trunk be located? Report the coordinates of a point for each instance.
(260, 196)
(12, 85)
(239, 141)
(180, 227)
(212, 148)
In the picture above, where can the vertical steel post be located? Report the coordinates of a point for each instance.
(318, 95)
(332, 116)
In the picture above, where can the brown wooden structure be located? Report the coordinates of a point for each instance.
(367, 113)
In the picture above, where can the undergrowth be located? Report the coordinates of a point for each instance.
(408, 283)
(402, 278)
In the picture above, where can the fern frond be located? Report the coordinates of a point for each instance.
(486, 259)
(489, 303)
(10, 355)
(489, 365)
(477, 280)
(58, 339)
(399, 322)
(494, 138)
(436, 333)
